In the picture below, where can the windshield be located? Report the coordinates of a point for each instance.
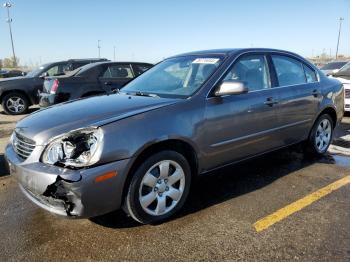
(334, 65)
(345, 68)
(36, 71)
(179, 76)
(87, 67)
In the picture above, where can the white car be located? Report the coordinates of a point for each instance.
(343, 75)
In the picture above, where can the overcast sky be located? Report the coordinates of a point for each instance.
(150, 30)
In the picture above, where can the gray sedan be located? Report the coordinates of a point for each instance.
(139, 149)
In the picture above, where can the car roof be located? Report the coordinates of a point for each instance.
(87, 59)
(230, 51)
(124, 62)
(76, 60)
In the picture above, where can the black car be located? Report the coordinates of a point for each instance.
(90, 80)
(11, 73)
(18, 93)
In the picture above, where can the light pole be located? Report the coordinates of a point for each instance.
(9, 21)
(99, 48)
(114, 53)
(341, 19)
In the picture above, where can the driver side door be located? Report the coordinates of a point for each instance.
(243, 125)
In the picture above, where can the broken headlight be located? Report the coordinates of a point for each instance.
(79, 148)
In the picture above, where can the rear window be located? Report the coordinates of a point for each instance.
(139, 69)
(118, 71)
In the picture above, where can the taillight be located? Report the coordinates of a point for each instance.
(54, 86)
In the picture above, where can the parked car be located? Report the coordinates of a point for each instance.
(343, 75)
(190, 114)
(89, 80)
(11, 73)
(18, 93)
(332, 67)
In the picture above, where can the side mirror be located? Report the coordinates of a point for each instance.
(43, 75)
(231, 87)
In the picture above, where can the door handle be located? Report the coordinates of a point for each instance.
(108, 83)
(270, 101)
(316, 93)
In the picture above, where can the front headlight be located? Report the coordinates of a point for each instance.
(79, 148)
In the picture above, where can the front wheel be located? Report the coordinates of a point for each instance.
(321, 135)
(15, 104)
(159, 188)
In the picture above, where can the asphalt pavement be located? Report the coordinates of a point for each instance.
(217, 223)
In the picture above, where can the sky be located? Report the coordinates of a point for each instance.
(152, 30)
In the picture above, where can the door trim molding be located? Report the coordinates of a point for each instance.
(259, 133)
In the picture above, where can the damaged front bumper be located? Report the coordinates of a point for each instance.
(67, 192)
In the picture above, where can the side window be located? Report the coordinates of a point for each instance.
(289, 71)
(56, 70)
(141, 68)
(310, 74)
(252, 70)
(118, 71)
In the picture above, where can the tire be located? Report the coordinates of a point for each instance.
(15, 103)
(166, 193)
(320, 136)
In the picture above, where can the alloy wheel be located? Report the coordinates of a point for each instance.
(15, 104)
(162, 187)
(323, 135)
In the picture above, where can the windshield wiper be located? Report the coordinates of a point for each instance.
(139, 93)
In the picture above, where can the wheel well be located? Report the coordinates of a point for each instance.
(179, 146)
(15, 91)
(332, 113)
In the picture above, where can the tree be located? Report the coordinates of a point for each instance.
(9, 63)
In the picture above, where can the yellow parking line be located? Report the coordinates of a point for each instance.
(299, 204)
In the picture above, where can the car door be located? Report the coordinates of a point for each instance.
(299, 97)
(240, 126)
(116, 76)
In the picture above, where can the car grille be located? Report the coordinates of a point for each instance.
(347, 93)
(23, 146)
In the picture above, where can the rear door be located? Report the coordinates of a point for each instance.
(115, 76)
(240, 126)
(299, 97)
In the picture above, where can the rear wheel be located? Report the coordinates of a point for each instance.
(321, 135)
(15, 103)
(158, 188)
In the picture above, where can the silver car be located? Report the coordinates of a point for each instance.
(139, 149)
(332, 67)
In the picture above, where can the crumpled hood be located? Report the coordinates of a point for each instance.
(94, 111)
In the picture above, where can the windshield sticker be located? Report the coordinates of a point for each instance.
(205, 61)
